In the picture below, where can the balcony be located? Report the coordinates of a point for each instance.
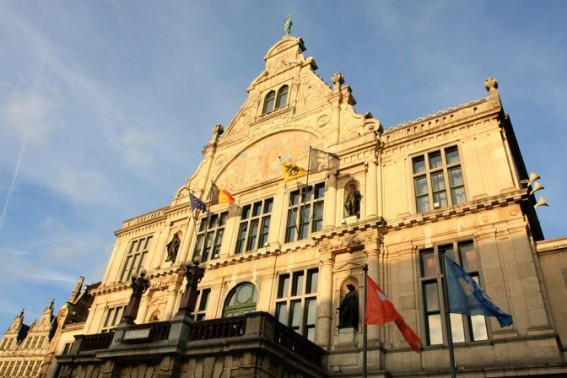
(250, 344)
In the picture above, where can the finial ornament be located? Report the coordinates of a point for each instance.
(491, 83)
(287, 25)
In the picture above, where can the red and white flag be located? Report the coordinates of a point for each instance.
(380, 310)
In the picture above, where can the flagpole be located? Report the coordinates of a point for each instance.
(448, 321)
(364, 326)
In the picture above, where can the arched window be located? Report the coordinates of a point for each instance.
(241, 300)
(282, 96)
(269, 102)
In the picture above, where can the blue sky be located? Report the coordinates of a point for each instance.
(106, 105)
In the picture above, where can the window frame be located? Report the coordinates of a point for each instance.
(210, 236)
(254, 226)
(203, 296)
(305, 212)
(116, 312)
(438, 179)
(281, 97)
(136, 257)
(464, 328)
(295, 306)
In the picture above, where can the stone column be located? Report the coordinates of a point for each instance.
(187, 237)
(330, 209)
(144, 303)
(372, 259)
(325, 294)
(170, 305)
(371, 189)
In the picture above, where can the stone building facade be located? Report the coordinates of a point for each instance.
(284, 252)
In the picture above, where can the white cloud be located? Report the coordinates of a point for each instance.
(82, 186)
(28, 114)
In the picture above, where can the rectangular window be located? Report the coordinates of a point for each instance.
(438, 180)
(296, 304)
(305, 212)
(254, 226)
(136, 257)
(112, 318)
(202, 300)
(464, 328)
(209, 238)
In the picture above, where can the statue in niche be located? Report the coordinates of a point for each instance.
(348, 310)
(352, 201)
(173, 248)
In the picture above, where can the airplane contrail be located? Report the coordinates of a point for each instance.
(12, 184)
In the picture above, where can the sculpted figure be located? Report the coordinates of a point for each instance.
(139, 286)
(352, 201)
(348, 310)
(173, 248)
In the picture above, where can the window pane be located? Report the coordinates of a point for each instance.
(240, 238)
(281, 312)
(268, 205)
(418, 164)
(295, 314)
(434, 328)
(422, 204)
(291, 226)
(294, 198)
(297, 286)
(251, 243)
(455, 177)
(310, 334)
(469, 256)
(317, 217)
(431, 297)
(269, 102)
(478, 324)
(437, 181)
(312, 277)
(319, 190)
(204, 299)
(263, 241)
(452, 155)
(447, 250)
(218, 243)
(435, 160)
(457, 328)
(257, 208)
(458, 195)
(427, 263)
(311, 309)
(304, 226)
(282, 96)
(283, 287)
(245, 212)
(421, 186)
(440, 200)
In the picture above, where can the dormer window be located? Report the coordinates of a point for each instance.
(282, 96)
(271, 101)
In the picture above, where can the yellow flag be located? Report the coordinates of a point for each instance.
(292, 171)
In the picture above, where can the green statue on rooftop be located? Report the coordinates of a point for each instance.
(287, 25)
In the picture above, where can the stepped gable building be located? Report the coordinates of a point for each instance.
(28, 350)
(280, 260)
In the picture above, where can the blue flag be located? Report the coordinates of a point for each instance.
(466, 297)
(196, 203)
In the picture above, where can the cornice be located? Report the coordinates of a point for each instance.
(473, 207)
